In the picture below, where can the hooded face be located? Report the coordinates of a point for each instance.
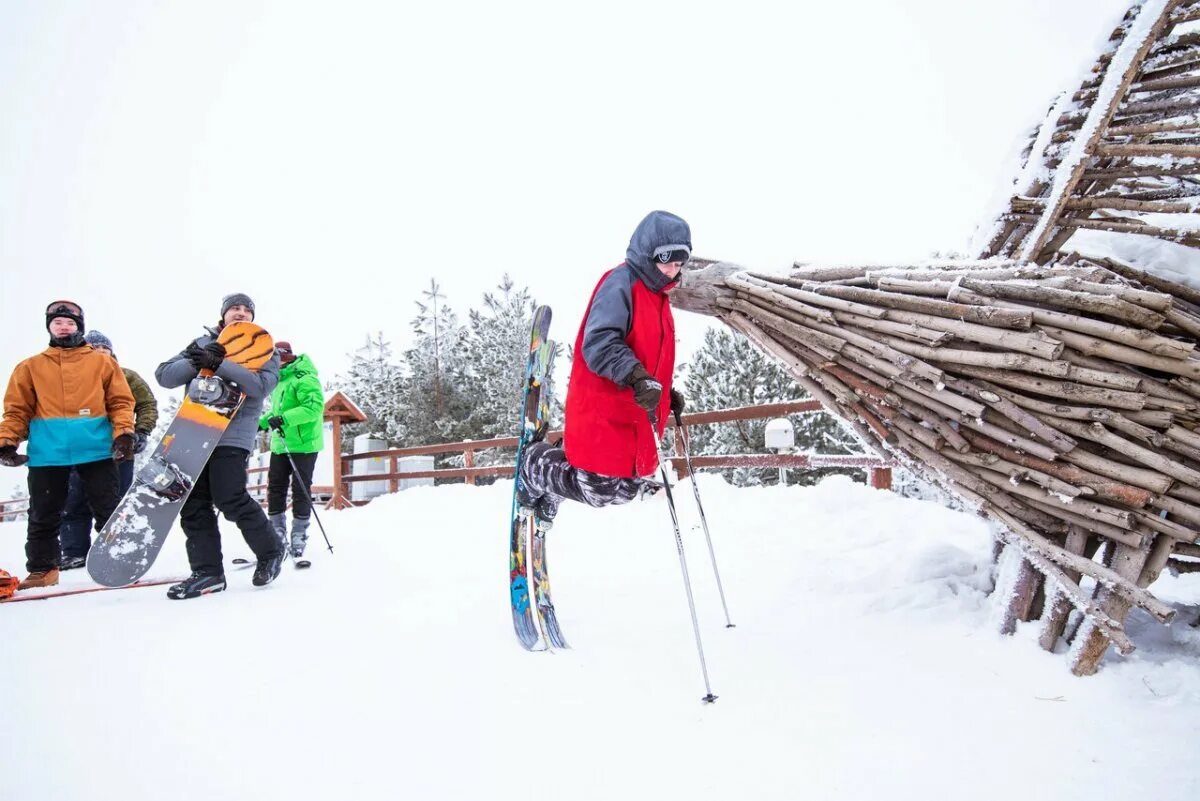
(660, 233)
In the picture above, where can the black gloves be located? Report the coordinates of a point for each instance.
(646, 391)
(276, 423)
(140, 438)
(122, 448)
(10, 458)
(678, 404)
(208, 357)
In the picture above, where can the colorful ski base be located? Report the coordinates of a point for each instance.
(533, 408)
(547, 619)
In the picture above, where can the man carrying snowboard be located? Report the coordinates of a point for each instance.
(621, 374)
(296, 421)
(222, 483)
(75, 407)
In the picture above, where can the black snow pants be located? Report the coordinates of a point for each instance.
(301, 480)
(48, 498)
(222, 484)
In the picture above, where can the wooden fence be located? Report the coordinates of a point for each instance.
(879, 471)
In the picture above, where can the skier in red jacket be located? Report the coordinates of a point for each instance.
(621, 376)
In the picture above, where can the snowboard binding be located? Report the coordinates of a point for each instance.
(165, 479)
(210, 390)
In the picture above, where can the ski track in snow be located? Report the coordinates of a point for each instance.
(865, 664)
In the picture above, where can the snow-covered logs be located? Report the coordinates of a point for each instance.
(1121, 153)
(1061, 400)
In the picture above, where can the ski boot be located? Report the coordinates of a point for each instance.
(299, 536)
(279, 526)
(196, 585)
(267, 570)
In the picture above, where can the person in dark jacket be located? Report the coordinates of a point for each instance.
(620, 380)
(296, 423)
(222, 483)
(75, 408)
(74, 534)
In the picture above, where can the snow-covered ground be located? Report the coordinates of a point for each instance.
(864, 665)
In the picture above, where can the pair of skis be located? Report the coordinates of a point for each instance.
(527, 532)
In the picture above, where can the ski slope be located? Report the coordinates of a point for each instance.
(864, 665)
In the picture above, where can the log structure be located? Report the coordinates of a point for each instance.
(1121, 152)
(1056, 393)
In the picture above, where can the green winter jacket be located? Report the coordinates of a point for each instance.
(298, 399)
(145, 408)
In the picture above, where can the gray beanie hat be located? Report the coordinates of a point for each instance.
(94, 338)
(237, 299)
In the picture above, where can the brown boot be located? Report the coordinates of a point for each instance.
(40, 578)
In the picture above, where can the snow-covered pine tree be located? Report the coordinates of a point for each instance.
(431, 401)
(495, 347)
(19, 493)
(728, 372)
(373, 382)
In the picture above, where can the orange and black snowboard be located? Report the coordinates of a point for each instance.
(129, 543)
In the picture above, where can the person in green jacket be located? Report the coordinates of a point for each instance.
(295, 420)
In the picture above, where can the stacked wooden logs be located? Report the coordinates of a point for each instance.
(1062, 400)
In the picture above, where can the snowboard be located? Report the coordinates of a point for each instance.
(131, 539)
(524, 522)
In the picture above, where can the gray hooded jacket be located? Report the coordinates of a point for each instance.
(604, 349)
(178, 372)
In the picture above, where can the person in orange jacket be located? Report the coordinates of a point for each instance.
(75, 407)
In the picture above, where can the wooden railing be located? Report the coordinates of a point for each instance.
(878, 470)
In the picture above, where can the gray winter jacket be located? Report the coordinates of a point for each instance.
(605, 351)
(178, 372)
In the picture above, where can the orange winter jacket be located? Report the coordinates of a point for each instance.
(71, 403)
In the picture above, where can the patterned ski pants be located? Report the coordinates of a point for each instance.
(547, 478)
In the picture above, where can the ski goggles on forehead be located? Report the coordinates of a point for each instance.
(672, 253)
(64, 306)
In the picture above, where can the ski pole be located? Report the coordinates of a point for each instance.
(308, 498)
(687, 582)
(687, 456)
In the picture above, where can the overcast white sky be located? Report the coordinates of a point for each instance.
(329, 158)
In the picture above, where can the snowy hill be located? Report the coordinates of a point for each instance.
(865, 664)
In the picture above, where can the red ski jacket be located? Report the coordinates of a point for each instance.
(606, 431)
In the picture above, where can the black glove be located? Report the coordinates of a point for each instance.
(678, 404)
(208, 357)
(122, 448)
(276, 423)
(140, 438)
(646, 391)
(10, 458)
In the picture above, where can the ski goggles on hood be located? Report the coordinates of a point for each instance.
(668, 254)
(64, 308)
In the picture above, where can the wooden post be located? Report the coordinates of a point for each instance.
(469, 461)
(393, 483)
(681, 452)
(340, 409)
(881, 478)
(337, 500)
